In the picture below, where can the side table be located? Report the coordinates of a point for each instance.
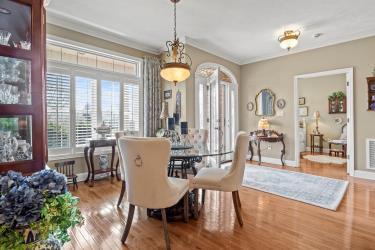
(313, 146)
(89, 158)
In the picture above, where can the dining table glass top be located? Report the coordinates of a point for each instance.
(196, 150)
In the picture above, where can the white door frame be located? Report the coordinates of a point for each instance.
(350, 112)
(234, 81)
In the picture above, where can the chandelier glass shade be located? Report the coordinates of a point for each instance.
(289, 39)
(176, 64)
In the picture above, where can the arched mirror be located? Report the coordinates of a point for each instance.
(265, 103)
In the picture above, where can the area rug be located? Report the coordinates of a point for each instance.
(315, 190)
(325, 159)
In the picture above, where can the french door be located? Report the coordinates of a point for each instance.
(217, 111)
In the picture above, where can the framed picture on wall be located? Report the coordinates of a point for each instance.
(303, 111)
(302, 101)
(167, 94)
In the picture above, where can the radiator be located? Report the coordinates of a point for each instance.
(370, 153)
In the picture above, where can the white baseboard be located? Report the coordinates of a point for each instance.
(82, 176)
(364, 174)
(276, 161)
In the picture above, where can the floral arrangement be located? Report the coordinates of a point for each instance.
(36, 211)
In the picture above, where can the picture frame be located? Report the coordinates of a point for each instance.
(303, 111)
(167, 94)
(302, 101)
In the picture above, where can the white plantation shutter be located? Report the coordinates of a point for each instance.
(110, 104)
(58, 110)
(86, 110)
(131, 107)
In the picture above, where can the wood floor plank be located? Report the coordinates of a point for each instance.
(270, 221)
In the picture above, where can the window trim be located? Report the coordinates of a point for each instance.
(75, 70)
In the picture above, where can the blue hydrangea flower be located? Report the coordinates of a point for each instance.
(49, 180)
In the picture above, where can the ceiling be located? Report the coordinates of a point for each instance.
(241, 31)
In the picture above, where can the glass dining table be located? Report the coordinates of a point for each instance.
(183, 159)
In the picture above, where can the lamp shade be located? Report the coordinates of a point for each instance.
(263, 124)
(316, 114)
(175, 72)
(164, 111)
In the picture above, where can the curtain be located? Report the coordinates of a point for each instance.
(152, 93)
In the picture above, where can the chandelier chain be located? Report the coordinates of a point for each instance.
(175, 22)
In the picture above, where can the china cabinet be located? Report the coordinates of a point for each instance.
(22, 86)
(371, 93)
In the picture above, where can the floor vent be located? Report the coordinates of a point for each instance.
(370, 149)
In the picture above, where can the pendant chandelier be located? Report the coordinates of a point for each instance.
(175, 68)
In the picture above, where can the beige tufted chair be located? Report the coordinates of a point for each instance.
(147, 184)
(198, 138)
(227, 180)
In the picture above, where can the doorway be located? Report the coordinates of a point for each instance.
(216, 106)
(322, 127)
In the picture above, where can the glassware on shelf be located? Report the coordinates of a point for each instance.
(15, 81)
(4, 37)
(15, 138)
(25, 45)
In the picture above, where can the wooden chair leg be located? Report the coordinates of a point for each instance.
(238, 199)
(75, 183)
(123, 186)
(203, 196)
(166, 234)
(196, 208)
(128, 223)
(236, 207)
(186, 207)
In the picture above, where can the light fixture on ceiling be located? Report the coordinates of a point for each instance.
(289, 39)
(175, 68)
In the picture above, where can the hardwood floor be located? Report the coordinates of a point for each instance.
(270, 222)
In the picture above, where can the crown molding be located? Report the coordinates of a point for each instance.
(211, 50)
(297, 50)
(76, 24)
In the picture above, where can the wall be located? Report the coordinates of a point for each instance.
(316, 91)
(96, 42)
(277, 74)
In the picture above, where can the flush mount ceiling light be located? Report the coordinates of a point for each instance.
(289, 39)
(175, 68)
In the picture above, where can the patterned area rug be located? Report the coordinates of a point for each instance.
(315, 190)
(325, 159)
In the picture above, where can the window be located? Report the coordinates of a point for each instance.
(131, 107)
(111, 104)
(85, 122)
(58, 110)
(86, 88)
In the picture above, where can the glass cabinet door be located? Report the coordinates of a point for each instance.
(15, 81)
(15, 138)
(15, 28)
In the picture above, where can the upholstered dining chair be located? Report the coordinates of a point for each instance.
(227, 180)
(198, 138)
(118, 135)
(145, 162)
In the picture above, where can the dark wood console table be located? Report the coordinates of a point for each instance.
(89, 158)
(270, 136)
(313, 146)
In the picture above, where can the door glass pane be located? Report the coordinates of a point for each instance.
(86, 119)
(131, 107)
(15, 81)
(111, 104)
(15, 19)
(15, 138)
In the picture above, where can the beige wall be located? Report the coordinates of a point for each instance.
(316, 91)
(277, 74)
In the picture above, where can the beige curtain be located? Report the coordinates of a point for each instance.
(152, 95)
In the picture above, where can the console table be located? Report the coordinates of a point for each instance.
(269, 136)
(89, 158)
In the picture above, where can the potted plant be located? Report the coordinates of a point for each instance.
(36, 211)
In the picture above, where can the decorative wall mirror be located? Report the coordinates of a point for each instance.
(265, 103)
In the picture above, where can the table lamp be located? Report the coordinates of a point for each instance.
(164, 114)
(317, 117)
(263, 125)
